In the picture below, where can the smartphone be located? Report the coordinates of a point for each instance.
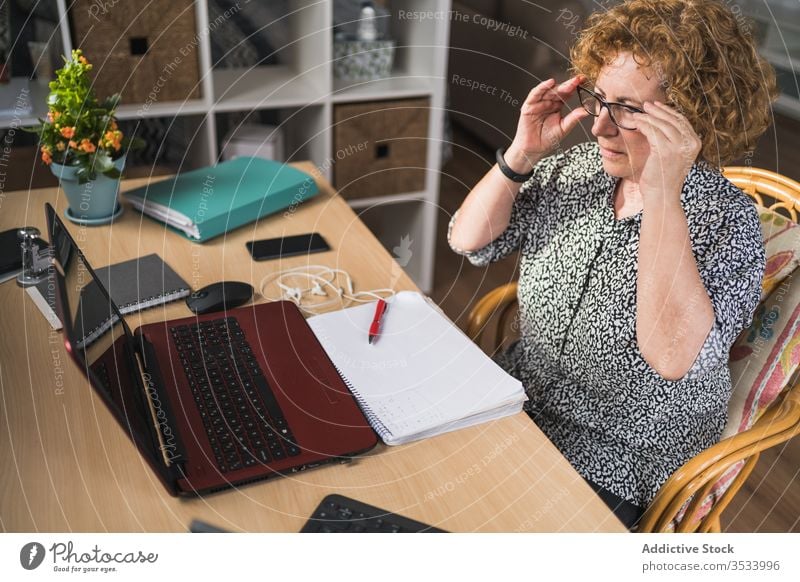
(273, 248)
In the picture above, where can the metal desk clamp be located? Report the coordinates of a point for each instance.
(36, 258)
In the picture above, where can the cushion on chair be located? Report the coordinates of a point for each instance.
(782, 246)
(766, 355)
(763, 360)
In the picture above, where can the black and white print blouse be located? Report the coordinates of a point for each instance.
(618, 422)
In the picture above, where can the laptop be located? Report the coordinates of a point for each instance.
(217, 400)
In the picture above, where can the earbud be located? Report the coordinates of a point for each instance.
(291, 293)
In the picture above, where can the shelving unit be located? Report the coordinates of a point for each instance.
(301, 93)
(395, 87)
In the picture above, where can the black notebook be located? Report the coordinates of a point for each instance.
(134, 285)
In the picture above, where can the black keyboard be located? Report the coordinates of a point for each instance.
(242, 418)
(340, 514)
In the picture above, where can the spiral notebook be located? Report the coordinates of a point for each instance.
(422, 376)
(134, 285)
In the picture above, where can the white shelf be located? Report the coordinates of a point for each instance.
(788, 106)
(165, 109)
(398, 86)
(38, 95)
(388, 199)
(781, 59)
(270, 87)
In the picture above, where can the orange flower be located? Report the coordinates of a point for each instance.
(60, 146)
(72, 144)
(68, 132)
(112, 139)
(46, 157)
(87, 146)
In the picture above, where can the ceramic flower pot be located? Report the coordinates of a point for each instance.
(96, 201)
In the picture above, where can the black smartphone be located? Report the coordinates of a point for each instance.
(300, 244)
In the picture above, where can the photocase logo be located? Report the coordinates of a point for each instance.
(403, 252)
(402, 256)
(31, 555)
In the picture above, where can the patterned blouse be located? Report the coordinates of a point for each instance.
(617, 421)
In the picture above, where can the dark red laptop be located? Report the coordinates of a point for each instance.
(215, 400)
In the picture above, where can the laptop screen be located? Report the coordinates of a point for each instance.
(100, 341)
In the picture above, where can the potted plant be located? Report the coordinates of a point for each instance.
(82, 144)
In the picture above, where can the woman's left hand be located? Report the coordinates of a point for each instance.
(673, 149)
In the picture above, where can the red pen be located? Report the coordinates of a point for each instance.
(374, 329)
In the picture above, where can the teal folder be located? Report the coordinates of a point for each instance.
(208, 202)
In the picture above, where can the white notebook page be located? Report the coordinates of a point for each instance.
(421, 373)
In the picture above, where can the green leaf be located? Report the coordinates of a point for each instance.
(112, 173)
(37, 129)
(133, 143)
(82, 174)
(103, 162)
(112, 102)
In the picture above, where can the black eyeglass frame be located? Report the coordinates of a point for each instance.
(607, 105)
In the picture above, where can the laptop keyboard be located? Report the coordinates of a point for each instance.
(242, 418)
(340, 514)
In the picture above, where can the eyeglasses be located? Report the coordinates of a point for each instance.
(620, 114)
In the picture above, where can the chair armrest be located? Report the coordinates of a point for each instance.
(497, 300)
(695, 479)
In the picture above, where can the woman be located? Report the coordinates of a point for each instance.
(640, 263)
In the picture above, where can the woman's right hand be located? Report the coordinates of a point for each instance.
(541, 126)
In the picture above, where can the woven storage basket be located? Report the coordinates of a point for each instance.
(148, 54)
(380, 147)
(362, 60)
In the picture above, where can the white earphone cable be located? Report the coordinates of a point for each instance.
(318, 278)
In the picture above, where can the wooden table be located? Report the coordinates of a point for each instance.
(65, 465)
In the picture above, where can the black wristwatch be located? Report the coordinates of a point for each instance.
(508, 172)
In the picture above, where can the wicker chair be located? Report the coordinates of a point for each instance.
(683, 503)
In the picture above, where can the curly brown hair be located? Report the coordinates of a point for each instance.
(708, 62)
